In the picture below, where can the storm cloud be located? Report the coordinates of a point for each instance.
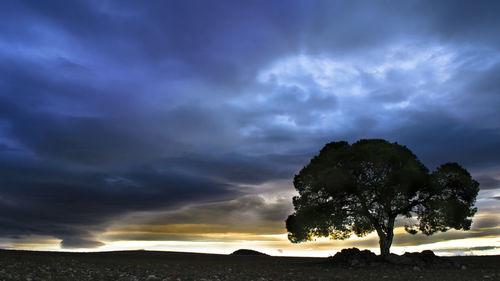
(114, 108)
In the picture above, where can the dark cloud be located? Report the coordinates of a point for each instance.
(486, 221)
(440, 140)
(464, 250)
(248, 210)
(246, 218)
(111, 108)
(45, 199)
(78, 243)
(464, 22)
(488, 182)
(420, 239)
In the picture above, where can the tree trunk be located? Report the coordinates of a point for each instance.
(385, 238)
(385, 242)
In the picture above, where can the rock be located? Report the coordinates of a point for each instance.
(354, 257)
(152, 278)
(427, 259)
(398, 260)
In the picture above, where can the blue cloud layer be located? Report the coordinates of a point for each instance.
(110, 107)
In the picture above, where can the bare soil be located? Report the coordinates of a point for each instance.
(152, 265)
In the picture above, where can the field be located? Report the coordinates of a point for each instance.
(150, 265)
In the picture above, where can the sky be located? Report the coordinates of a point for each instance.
(179, 125)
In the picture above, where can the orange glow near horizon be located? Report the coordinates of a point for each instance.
(276, 245)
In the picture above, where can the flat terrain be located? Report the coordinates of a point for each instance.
(150, 265)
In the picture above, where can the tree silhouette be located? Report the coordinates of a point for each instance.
(364, 187)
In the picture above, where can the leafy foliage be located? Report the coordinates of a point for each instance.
(363, 187)
(450, 205)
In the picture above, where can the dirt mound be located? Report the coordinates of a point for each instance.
(353, 257)
(247, 252)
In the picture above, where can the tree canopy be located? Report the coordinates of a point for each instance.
(364, 187)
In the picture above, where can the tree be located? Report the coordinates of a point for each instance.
(364, 187)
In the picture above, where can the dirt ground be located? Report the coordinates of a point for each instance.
(150, 265)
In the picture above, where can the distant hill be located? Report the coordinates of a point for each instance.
(247, 252)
